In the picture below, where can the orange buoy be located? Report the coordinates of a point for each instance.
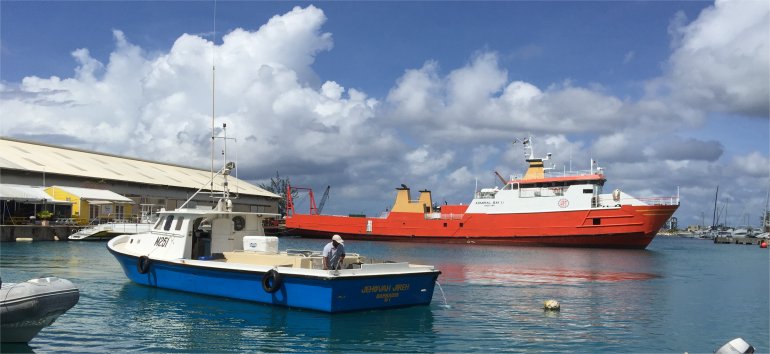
(763, 244)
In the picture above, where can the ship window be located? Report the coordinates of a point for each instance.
(167, 225)
(597, 221)
(444, 224)
(179, 223)
(157, 224)
(461, 224)
(588, 191)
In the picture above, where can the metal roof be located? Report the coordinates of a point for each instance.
(92, 194)
(21, 193)
(43, 158)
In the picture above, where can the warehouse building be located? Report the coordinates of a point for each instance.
(85, 186)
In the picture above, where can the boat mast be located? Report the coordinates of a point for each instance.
(213, 91)
(764, 215)
(714, 218)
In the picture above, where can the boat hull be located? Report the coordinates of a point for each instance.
(27, 308)
(328, 293)
(631, 227)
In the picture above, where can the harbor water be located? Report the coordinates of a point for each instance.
(678, 295)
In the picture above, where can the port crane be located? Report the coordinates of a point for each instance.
(314, 210)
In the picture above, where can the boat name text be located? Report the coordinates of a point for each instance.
(489, 202)
(162, 241)
(385, 292)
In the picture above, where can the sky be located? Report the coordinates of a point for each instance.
(667, 96)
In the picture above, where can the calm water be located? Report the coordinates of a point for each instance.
(679, 295)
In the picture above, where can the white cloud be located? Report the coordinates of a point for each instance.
(417, 95)
(753, 165)
(422, 162)
(722, 59)
(160, 106)
(462, 120)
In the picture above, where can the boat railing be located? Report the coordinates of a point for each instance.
(604, 201)
(552, 173)
(660, 200)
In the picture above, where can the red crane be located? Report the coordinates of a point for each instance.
(313, 209)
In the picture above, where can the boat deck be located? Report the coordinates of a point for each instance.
(289, 259)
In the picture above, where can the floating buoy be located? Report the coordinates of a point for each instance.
(763, 244)
(551, 305)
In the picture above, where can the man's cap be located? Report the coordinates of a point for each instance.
(337, 238)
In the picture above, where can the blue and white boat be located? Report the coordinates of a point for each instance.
(224, 253)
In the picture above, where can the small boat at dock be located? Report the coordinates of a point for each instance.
(222, 252)
(26, 308)
(109, 230)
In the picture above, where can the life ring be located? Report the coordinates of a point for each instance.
(271, 281)
(143, 265)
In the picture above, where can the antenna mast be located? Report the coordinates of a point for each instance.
(213, 87)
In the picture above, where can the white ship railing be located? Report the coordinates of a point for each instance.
(660, 200)
(553, 173)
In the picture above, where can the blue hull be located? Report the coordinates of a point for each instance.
(327, 294)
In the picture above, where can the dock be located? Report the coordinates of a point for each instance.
(13, 233)
(739, 240)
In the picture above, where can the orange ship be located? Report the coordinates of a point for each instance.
(539, 209)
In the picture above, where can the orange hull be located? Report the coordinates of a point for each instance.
(624, 227)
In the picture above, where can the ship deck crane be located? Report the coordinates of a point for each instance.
(323, 199)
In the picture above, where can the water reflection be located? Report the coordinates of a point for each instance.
(554, 266)
(170, 320)
(15, 348)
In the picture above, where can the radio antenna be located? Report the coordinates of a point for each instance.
(213, 91)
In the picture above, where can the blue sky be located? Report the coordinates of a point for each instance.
(364, 96)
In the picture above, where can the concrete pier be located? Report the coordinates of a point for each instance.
(12, 233)
(739, 240)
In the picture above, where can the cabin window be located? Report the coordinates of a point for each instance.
(158, 223)
(444, 224)
(461, 224)
(597, 221)
(588, 191)
(167, 225)
(179, 223)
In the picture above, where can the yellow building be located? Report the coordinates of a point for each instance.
(89, 204)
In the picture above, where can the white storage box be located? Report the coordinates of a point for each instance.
(268, 244)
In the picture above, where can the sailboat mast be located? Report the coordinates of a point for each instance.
(714, 219)
(764, 215)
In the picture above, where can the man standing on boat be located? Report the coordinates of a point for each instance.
(334, 253)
